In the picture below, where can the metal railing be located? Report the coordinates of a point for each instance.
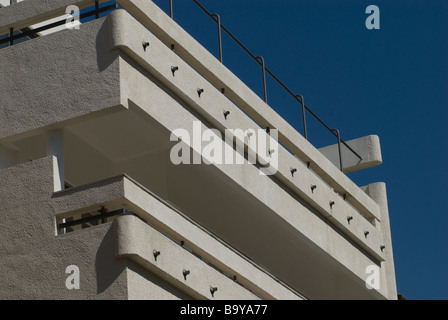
(260, 60)
(33, 33)
(103, 215)
(100, 216)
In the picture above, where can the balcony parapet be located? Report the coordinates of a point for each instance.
(123, 192)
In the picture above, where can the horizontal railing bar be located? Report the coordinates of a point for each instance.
(93, 218)
(32, 32)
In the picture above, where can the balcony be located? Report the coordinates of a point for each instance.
(114, 110)
(140, 213)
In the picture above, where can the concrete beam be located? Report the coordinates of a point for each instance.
(138, 241)
(4, 3)
(55, 147)
(367, 147)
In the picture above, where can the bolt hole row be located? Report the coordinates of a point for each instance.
(186, 272)
(226, 113)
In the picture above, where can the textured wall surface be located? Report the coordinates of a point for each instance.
(34, 260)
(74, 81)
(57, 78)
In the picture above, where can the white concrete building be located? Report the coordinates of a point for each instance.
(90, 195)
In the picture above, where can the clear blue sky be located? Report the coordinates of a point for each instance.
(392, 82)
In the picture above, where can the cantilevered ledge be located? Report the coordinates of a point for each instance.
(367, 147)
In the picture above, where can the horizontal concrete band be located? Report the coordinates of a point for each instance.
(320, 197)
(71, 198)
(123, 191)
(163, 27)
(34, 11)
(158, 60)
(168, 260)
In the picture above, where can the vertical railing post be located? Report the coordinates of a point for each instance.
(302, 101)
(263, 66)
(11, 36)
(97, 7)
(339, 148)
(218, 21)
(171, 9)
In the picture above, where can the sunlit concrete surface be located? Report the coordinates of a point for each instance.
(86, 118)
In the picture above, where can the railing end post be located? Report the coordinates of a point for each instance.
(302, 102)
(339, 148)
(171, 10)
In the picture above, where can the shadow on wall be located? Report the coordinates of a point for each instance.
(103, 44)
(107, 267)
